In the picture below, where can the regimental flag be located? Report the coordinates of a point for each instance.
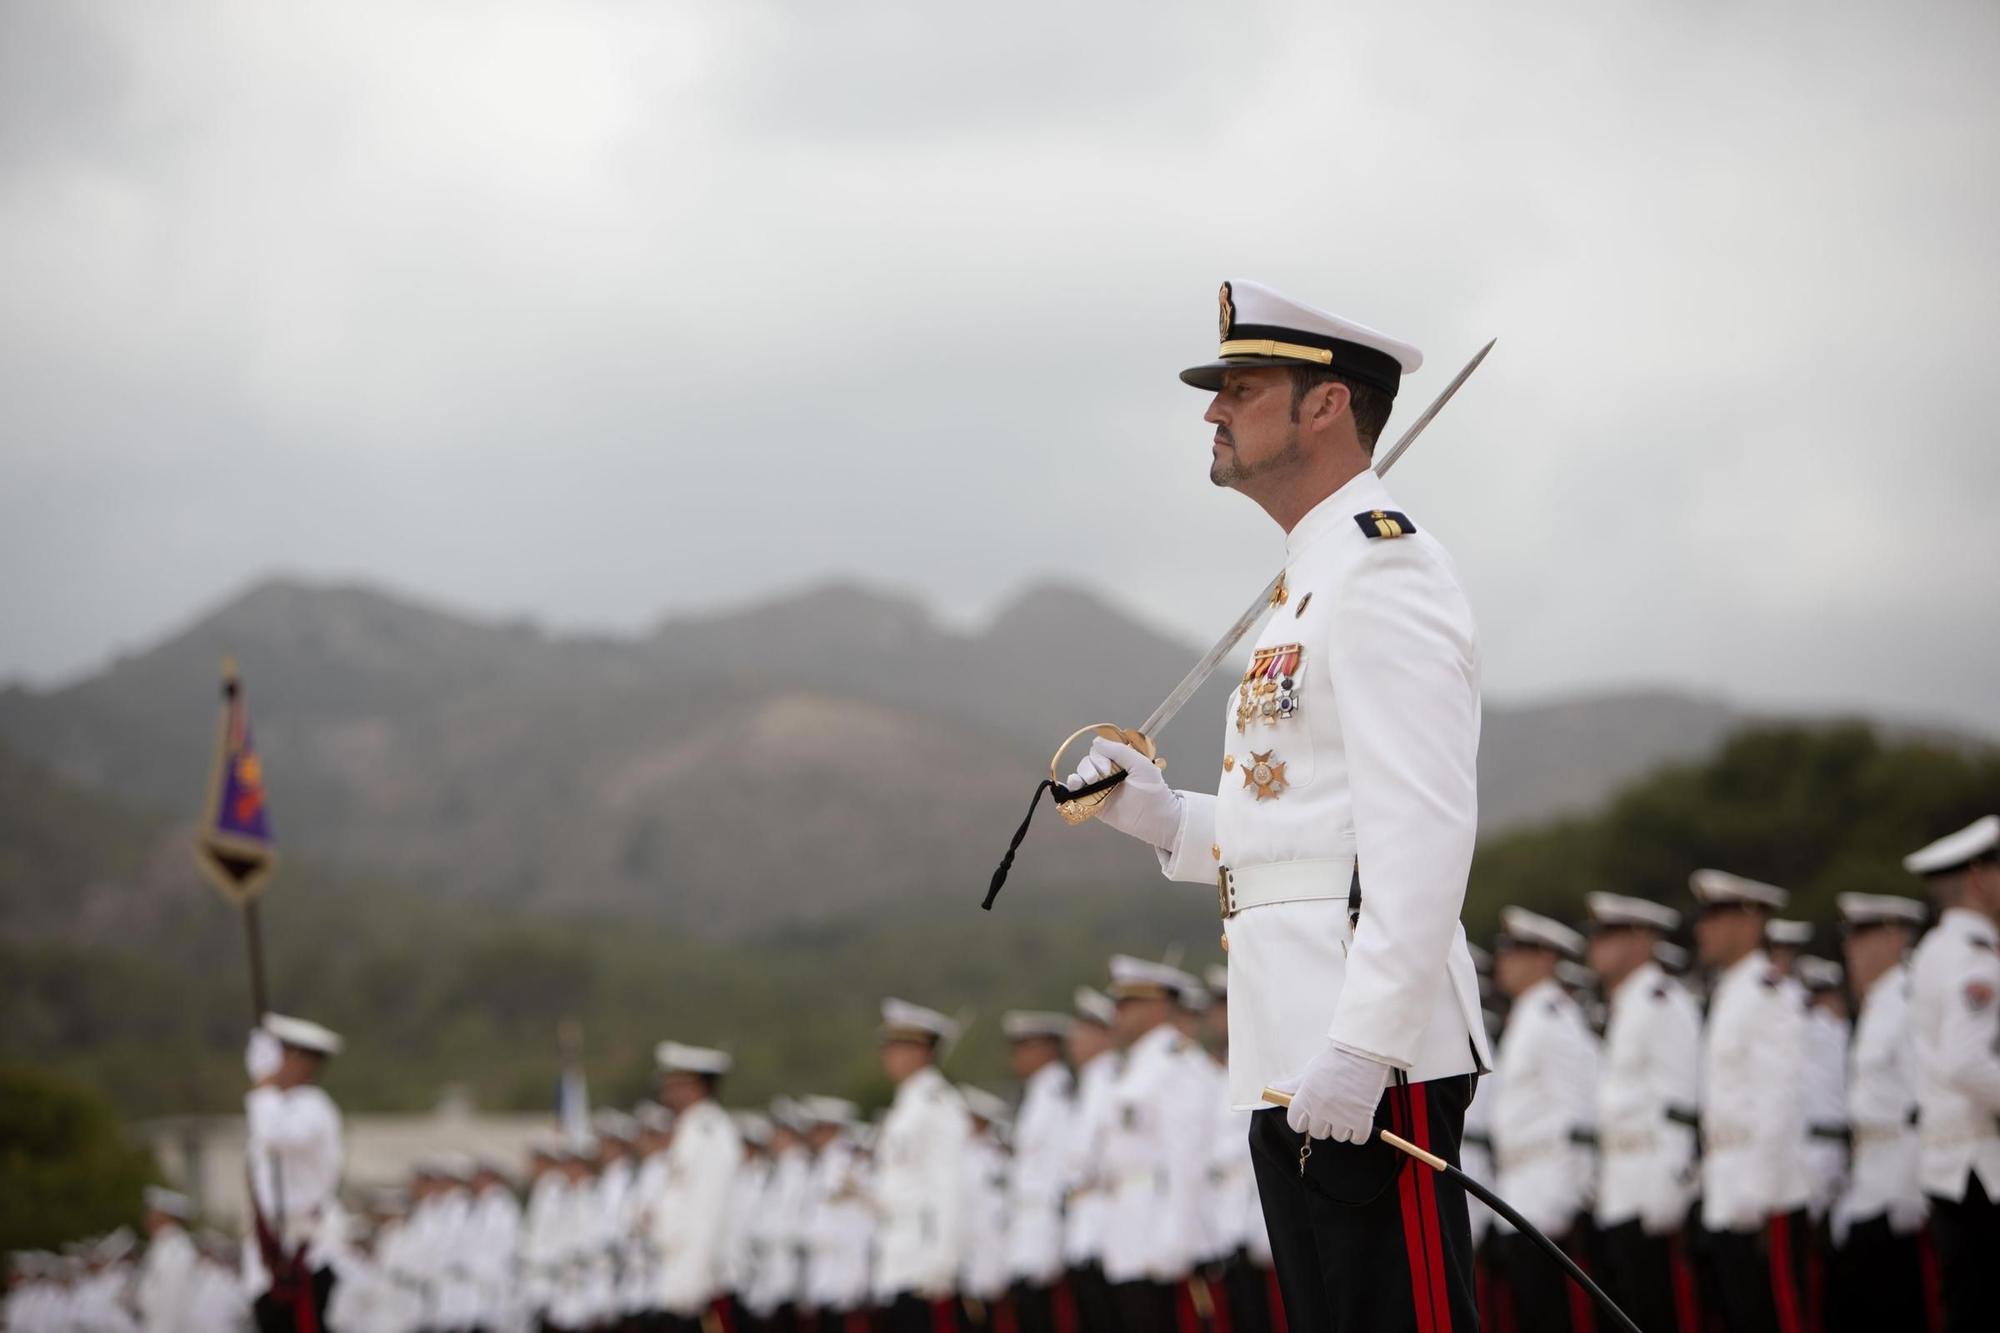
(234, 846)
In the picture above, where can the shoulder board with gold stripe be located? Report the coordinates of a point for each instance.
(1384, 523)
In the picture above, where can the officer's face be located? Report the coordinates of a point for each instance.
(1256, 433)
(1515, 970)
(1872, 950)
(1087, 1041)
(1726, 933)
(900, 1059)
(1615, 951)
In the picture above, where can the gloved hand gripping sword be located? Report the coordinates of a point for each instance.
(1080, 804)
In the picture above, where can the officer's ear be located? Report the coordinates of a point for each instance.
(1329, 401)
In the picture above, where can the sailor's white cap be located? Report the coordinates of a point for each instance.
(1027, 1024)
(1616, 909)
(303, 1035)
(754, 1127)
(903, 1021)
(988, 1107)
(653, 1118)
(1142, 978)
(1718, 887)
(1788, 934)
(1258, 327)
(170, 1202)
(1532, 928)
(1817, 973)
(786, 1112)
(614, 1124)
(1875, 909)
(674, 1058)
(1975, 841)
(819, 1110)
(1094, 1006)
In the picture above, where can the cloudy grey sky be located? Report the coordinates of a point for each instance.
(597, 310)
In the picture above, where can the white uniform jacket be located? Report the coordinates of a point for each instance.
(687, 1223)
(1088, 1197)
(294, 1145)
(1372, 664)
(164, 1293)
(1882, 1111)
(1037, 1177)
(1544, 1097)
(1646, 1100)
(839, 1229)
(917, 1187)
(1752, 1099)
(1955, 1033)
(777, 1236)
(983, 1265)
(1824, 1153)
(1156, 1152)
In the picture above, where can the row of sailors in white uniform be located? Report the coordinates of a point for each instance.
(1771, 1121)
(179, 1284)
(1133, 1165)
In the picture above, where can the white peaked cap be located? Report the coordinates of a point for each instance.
(1818, 973)
(653, 1117)
(1258, 327)
(1869, 909)
(787, 1112)
(1979, 838)
(754, 1128)
(169, 1202)
(1023, 1024)
(988, 1107)
(1788, 934)
(1719, 886)
(1135, 978)
(1525, 927)
(1095, 1006)
(674, 1058)
(1217, 977)
(818, 1110)
(303, 1035)
(1616, 909)
(903, 1021)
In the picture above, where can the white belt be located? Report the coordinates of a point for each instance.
(1282, 882)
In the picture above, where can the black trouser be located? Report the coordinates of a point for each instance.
(1876, 1280)
(1249, 1292)
(1363, 1234)
(1759, 1276)
(1539, 1284)
(275, 1318)
(1144, 1305)
(911, 1313)
(1968, 1248)
(1034, 1308)
(1638, 1275)
(1096, 1312)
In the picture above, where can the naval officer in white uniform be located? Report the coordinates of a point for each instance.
(1340, 831)
(919, 1187)
(1955, 1035)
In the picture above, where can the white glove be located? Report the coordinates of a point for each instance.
(1143, 805)
(262, 1055)
(1336, 1096)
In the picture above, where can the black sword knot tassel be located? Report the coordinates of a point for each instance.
(1060, 794)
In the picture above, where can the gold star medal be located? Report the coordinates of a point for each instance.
(1265, 777)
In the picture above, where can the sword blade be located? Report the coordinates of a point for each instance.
(1256, 611)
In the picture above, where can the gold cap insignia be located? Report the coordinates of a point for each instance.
(1226, 316)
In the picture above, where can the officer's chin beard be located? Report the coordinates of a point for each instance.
(1230, 469)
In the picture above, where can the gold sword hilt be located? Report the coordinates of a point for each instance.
(1083, 809)
(1429, 1159)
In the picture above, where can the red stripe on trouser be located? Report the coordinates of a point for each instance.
(1221, 1319)
(1784, 1286)
(1427, 1203)
(1582, 1314)
(1279, 1324)
(1185, 1318)
(855, 1322)
(1064, 1301)
(944, 1317)
(1933, 1278)
(1003, 1317)
(1687, 1310)
(1413, 1221)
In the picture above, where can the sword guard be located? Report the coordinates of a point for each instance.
(1081, 809)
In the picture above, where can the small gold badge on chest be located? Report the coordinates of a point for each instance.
(1264, 777)
(1270, 690)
